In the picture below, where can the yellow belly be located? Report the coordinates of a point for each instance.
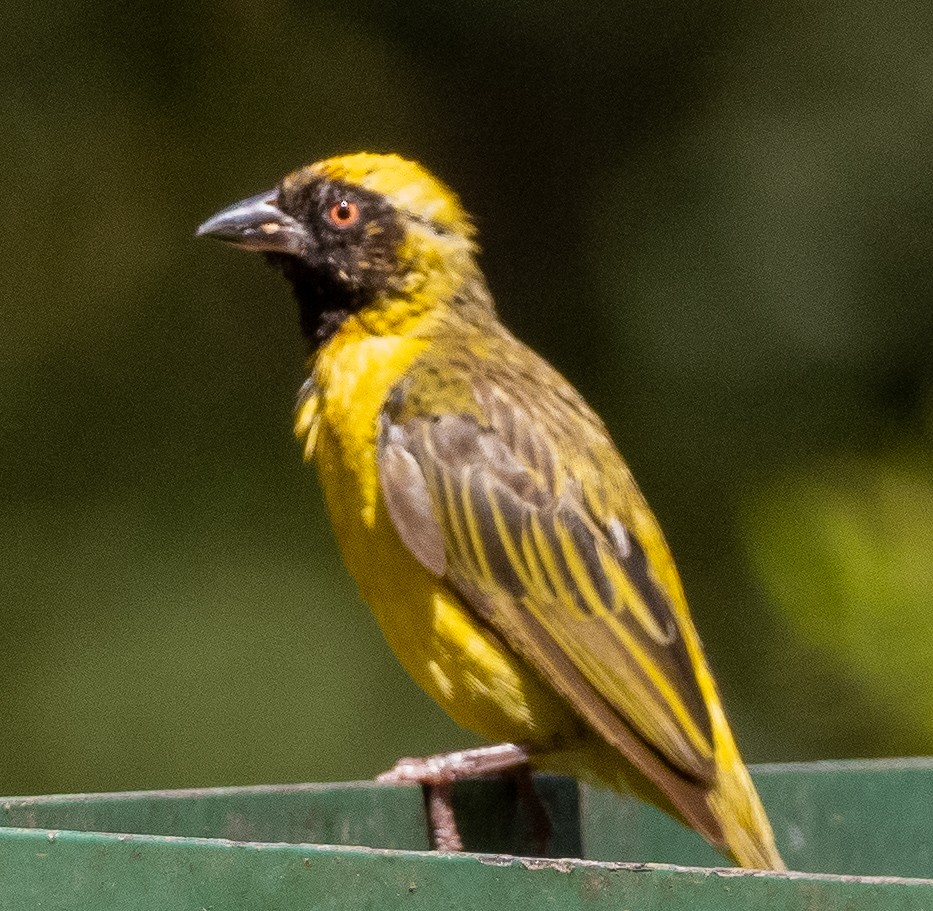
(461, 664)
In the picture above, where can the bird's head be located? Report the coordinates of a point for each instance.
(357, 233)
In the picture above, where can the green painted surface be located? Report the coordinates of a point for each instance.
(492, 817)
(131, 873)
(239, 848)
(335, 814)
(869, 818)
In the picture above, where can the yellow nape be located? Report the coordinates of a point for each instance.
(407, 185)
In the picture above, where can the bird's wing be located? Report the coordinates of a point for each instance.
(489, 499)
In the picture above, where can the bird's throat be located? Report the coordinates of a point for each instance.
(323, 304)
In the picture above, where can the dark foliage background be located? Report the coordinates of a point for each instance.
(716, 219)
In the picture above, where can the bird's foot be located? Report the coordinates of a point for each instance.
(438, 801)
(437, 774)
(446, 768)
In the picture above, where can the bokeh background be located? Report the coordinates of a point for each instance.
(715, 218)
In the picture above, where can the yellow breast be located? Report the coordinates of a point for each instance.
(461, 664)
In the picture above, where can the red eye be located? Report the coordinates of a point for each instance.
(343, 214)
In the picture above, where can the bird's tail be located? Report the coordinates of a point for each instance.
(726, 810)
(741, 828)
(745, 829)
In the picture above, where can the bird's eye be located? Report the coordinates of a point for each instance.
(344, 214)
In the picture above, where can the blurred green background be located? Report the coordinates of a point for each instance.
(716, 219)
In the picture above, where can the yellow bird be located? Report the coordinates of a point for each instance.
(488, 519)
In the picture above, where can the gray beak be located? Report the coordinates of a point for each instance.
(257, 224)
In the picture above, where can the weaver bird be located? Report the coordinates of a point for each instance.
(488, 519)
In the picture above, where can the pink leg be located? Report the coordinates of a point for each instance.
(446, 768)
(437, 773)
(438, 800)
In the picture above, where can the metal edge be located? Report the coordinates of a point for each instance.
(532, 864)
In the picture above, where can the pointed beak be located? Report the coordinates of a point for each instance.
(257, 224)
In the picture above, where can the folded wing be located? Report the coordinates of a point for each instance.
(487, 500)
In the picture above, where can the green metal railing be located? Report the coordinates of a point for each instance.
(860, 833)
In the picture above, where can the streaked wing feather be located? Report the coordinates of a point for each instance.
(490, 507)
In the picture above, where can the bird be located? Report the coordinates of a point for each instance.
(493, 528)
